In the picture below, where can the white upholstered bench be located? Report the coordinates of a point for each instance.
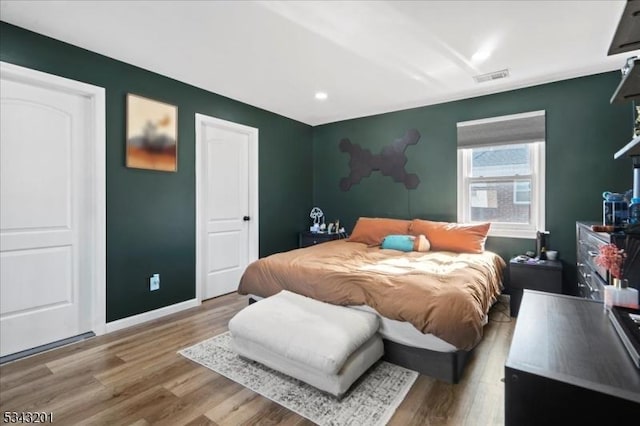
(324, 345)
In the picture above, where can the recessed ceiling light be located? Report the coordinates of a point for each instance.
(321, 96)
(480, 55)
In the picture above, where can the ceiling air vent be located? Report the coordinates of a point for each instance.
(495, 75)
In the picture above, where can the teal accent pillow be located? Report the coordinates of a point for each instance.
(398, 242)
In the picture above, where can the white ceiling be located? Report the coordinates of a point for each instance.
(369, 56)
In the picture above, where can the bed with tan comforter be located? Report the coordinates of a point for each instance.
(443, 293)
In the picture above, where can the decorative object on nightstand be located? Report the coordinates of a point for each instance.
(318, 220)
(532, 274)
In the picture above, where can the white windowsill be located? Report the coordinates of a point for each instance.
(512, 233)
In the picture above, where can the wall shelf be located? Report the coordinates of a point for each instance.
(629, 87)
(627, 36)
(629, 150)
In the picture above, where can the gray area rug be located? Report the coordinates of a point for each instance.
(372, 400)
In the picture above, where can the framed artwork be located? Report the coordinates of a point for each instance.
(152, 134)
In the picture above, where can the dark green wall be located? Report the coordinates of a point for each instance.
(583, 132)
(151, 215)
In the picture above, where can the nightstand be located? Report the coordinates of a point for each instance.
(543, 275)
(306, 238)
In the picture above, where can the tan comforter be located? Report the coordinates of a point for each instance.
(442, 293)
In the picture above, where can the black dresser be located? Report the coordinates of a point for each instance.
(591, 277)
(567, 366)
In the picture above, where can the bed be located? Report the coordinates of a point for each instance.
(433, 305)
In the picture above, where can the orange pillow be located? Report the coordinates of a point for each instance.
(372, 230)
(456, 237)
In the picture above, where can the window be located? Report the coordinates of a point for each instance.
(502, 181)
(522, 192)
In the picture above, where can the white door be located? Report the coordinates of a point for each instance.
(227, 203)
(46, 203)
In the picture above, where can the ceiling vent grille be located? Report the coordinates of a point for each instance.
(495, 75)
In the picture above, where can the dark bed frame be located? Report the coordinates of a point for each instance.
(445, 366)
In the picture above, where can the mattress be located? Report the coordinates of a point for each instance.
(402, 332)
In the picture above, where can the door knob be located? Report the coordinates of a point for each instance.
(246, 218)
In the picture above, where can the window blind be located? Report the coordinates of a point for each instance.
(508, 129)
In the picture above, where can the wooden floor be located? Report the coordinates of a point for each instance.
(135, 376)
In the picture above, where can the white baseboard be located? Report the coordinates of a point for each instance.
(151, 315)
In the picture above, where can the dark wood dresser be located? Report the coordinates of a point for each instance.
(591, 277)
(567, 366)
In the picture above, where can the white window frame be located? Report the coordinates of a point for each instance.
(503, 229)
(517, 190)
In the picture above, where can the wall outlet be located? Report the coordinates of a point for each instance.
(154, 282)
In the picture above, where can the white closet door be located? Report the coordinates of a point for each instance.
(42, 262)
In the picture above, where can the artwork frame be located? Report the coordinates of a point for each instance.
(151, 134)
